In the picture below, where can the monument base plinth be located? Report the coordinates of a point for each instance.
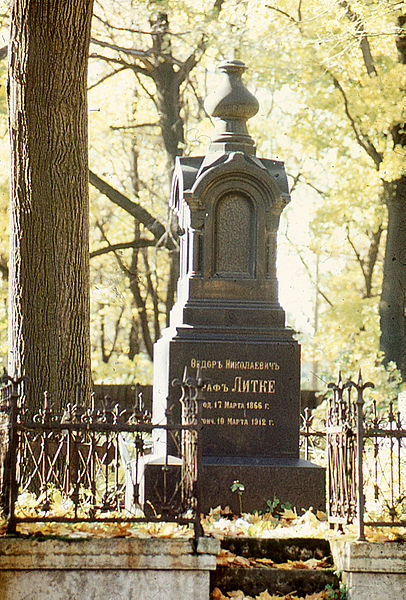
(297, 481)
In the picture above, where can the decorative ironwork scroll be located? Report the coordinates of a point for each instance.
(83, 458)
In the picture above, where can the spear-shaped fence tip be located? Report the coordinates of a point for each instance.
(360, 378)
(185, 374)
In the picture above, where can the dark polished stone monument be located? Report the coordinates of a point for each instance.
(227, 318)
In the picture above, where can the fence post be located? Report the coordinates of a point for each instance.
(8, 452)
(198, 529)
(360, 449)
(360, 387)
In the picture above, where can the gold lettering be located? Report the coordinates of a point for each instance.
(254, 386)
(237, 382)
(245, 386)
(271, 386)
(225, 387)
(216, 387)
(233, 421)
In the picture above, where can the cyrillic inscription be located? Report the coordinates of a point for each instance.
(254, 386)
(238, 365)
(253, 410)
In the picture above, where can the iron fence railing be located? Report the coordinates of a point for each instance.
(94, 458)
(312, 441)
(366, 458)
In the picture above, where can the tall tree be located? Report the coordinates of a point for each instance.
(161, 75)
(366, 82)
(49, 339)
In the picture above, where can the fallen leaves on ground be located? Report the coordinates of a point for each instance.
(229, 559)
(219, 523)
(217, 594)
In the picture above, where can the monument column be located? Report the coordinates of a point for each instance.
(227, 318)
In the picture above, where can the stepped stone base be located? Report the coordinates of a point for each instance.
(297, 481)
(277, 581)
(255, 580)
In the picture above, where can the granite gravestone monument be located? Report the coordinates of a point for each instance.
(227, 318)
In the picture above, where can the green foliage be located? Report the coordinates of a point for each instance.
(317, 102)
(333, 594)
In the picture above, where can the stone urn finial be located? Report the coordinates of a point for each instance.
(232, 105)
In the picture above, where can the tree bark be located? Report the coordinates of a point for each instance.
(392, 304)
(49, 339)
(392, 301)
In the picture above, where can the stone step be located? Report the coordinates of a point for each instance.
(253, 581)
(277, 581)
(279, 550)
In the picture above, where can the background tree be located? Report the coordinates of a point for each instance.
(331, 85)
(158, 63)
(49, 338)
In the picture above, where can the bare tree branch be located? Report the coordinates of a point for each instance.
(308, 271)
(113, 72)
(116, 255)
(133, 208)
(153, 293)
(218, 5)
(367, 266)
(119, 61)
(150, 96)
(362, 139)
(139, 31)
(107, 355)
(360, 260)
(361, 34)
(284, 13)
(140, 243)
(134, 126)
(142, 55)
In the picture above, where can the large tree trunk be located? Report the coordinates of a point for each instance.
(392, 307)
(392, 302)
(49, 340)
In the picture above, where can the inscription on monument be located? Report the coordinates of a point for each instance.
(250, 397)
(242, 413)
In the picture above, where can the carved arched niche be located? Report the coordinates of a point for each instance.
(234, 236)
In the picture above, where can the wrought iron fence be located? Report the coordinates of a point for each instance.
(366, 458)
(94, 459)
(312, 441)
